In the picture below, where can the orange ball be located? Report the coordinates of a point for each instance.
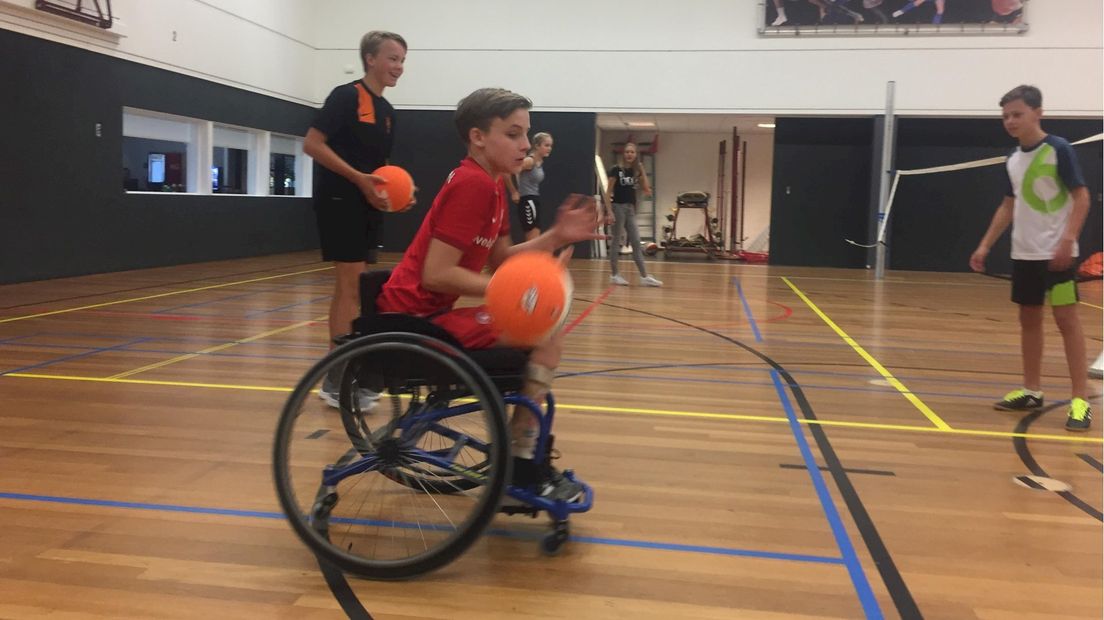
(529, 297)
(399, 186)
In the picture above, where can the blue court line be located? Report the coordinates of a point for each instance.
(261, 514)
(747, 310)
(295, 305)
(843, 541)
(228, 298)
(67, 358)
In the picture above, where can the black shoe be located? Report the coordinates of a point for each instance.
(1019, 400)
(545, 481)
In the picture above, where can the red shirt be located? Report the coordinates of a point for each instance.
(469, 213)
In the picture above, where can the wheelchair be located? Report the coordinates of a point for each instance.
(400, 487)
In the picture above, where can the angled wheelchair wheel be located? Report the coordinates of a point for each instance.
(404, 487)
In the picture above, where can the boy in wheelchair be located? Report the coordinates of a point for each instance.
(465, 233)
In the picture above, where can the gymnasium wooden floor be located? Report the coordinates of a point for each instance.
(764, 442)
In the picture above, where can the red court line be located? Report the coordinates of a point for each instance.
(589, 309)
(786, 312)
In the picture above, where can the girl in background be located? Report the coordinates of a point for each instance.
(623, 179)
(527, 193)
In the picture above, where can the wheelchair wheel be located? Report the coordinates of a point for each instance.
(403, 488)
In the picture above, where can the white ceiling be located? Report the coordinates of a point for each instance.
(685, 123)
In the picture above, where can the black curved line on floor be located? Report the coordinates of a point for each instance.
(342, 591)
(891, 577)
(160, 285)
(1020, 443)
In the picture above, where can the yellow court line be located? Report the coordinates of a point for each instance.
(1093, 305)
(188, 356)
(626, 410)
(912, 398)
(169, 294)
(220, 386)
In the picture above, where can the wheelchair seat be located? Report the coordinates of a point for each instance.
(506, 367)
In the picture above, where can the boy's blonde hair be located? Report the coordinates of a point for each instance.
(479, 109)
(371, 42)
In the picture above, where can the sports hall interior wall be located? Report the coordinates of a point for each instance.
(938, 219)
(428, 146)
(823, 191)
(64, 183)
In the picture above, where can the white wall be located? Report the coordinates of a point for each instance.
(706, 55)
(688, 162)
(697, 56)
(258, 45)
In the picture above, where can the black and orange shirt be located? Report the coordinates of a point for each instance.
(359, 127)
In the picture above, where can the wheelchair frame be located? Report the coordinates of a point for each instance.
(371, 454)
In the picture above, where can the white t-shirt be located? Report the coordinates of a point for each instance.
(1040, 179)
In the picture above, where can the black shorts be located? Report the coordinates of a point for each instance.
(348, 228)
(528, 206)
(1034, 284)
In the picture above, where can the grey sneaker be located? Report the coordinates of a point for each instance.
(618, 280)
(1019, 400)
(650, 280)
(558, 486)
(330, 394)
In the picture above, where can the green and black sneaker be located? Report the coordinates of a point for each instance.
(1020, 400)
(1080, 416)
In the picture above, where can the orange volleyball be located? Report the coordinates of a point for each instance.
(529, 297)
(399, 186)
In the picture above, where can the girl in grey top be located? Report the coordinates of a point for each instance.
(623, 179)
(527, 193)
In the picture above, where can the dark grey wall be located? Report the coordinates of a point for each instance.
(938, 219)
(824, 188)
(427, 145)
(821, 191)
(63, 210)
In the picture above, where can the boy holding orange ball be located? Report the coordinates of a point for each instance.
(466, 230)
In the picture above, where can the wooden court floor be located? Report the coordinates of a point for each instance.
(764, 442)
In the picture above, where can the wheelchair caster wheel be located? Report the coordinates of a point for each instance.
(554, 541)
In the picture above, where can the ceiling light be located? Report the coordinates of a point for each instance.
(766, 125)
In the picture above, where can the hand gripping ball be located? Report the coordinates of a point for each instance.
(529, 297)
(399, 186)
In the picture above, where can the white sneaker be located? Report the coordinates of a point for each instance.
(618, 280)
(781, 19)
(649, 280)
(366, 399)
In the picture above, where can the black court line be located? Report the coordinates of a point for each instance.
(1088, 458)
(1030, 483)
(1020, 443)
(342, 591)
(872, 472)
(891, 577)
(318, 433)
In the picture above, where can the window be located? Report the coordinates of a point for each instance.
(168, 153)
(281, 165)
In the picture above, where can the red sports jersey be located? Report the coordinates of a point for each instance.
(469, 213)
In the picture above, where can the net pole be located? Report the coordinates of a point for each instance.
(888, 139)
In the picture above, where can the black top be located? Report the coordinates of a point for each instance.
(359, 127)
(624, 185)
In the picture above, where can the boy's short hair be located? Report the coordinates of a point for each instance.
(1030, 95)
(371, 42)
(480, 108)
